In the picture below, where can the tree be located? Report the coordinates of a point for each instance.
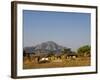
(84, 50)
(24, 53)
(67, 50)
(51, 54)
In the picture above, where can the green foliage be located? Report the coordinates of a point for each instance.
(84, 50)
(66, 50)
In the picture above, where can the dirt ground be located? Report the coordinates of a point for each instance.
(80, 61)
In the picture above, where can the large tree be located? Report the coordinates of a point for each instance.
(84, 50)
(66, 50)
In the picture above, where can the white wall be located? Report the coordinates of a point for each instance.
(5, 40)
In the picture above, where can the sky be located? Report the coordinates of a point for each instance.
(68, 29)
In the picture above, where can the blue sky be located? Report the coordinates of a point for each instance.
(65, 28)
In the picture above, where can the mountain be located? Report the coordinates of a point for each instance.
(45, 47)
(49, 45)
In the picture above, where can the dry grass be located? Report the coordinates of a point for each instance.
(80, 61)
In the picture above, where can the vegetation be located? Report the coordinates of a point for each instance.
(80, 61)
(65, 58)
(65, 51)
(84, 50)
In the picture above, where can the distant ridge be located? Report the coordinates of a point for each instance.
(45, 47)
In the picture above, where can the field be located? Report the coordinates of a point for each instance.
(79, 61)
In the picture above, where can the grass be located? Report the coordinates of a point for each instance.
(80, 61)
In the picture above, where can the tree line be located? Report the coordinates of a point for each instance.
(81, 51)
